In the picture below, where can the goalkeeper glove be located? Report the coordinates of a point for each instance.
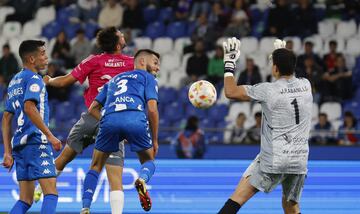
(277, 45)
(231, 54)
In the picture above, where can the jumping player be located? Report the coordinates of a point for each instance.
(98, 69)
(123, 102)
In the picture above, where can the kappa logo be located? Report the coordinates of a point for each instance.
(45, 163)
(44, 155)
(35, 77)
(89, 191)
(46, 171)
(42, 147)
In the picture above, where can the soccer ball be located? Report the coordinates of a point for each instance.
(202, 94)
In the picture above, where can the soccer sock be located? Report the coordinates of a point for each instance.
(90, 183)
(58, 172)
(147, 170)
(230, 207)
(20, 207)
(117, 201)
(49, 204)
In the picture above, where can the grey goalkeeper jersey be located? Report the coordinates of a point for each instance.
(286, 122)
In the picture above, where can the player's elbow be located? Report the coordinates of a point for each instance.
(28, 107)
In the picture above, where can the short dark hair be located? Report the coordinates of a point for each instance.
(323, 115)
(147, 51)
(285, 61)
(107, 39)
(6, 45)
(28, 47)
(333, 42)
(309, 43)
(258, 114)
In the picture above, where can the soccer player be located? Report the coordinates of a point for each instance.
(98, 69)
(27, 101)
(123, 101)
(286, 106)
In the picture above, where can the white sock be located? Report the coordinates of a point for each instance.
(117, 201)
(58, 172)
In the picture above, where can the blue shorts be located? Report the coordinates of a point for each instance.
(34, 161)
(130, 125)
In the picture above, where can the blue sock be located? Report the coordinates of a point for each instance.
(147, 170)
(49, 204)
(20, 207)
(90, 183)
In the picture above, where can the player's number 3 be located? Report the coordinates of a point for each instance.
(122, 85)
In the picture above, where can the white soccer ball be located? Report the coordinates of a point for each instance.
(202, 94)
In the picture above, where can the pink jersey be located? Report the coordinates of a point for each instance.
(99, 69)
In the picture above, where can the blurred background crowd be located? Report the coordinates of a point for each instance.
(324, 34)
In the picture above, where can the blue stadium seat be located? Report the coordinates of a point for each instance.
(320, 14)
(183, 94)
(167, 95)
(155, 30)
(51, 30)
(218, 112)
(191, 28)
(173, 112)
(70, 30)
(90, 29)
(176, 30)
(150, 14)
(166, 15)
(64, 111)
(353, 107)
(64, 14)
(207, 123)
(192, 111)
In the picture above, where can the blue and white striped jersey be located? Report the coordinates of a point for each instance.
(27, 85)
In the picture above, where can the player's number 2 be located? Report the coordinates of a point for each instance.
(296, 109)
(20, 120)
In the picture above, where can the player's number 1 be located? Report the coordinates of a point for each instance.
(296, 108)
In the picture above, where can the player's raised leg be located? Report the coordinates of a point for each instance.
(25, 200)
(91, 179)
(147, 170)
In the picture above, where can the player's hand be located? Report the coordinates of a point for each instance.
(231, 53)
(56, 143)
(8, 161)
(156, 147)
(46, 79)
(279, 44)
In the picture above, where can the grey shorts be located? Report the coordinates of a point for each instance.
(84, 132)
(292, 184)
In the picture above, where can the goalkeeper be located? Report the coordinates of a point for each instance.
(286, 108)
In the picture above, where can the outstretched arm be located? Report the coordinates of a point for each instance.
(61, 81)
(95, 109)
(231, 55)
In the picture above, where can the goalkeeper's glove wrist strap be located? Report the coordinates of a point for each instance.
(228, 74)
